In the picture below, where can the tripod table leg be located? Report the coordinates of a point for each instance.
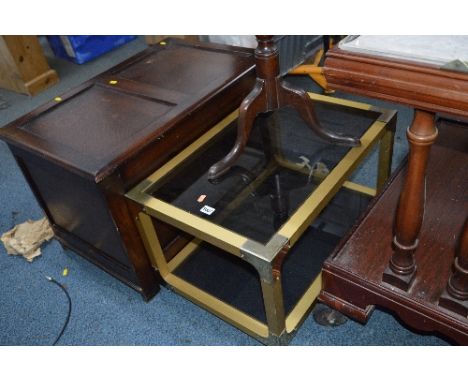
(253, 104)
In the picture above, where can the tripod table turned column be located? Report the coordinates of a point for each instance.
(271, 93)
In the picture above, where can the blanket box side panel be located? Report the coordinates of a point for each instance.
(78, 213)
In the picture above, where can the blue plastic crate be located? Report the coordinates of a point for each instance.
(81, 49)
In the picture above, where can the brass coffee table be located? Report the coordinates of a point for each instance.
(258, 215)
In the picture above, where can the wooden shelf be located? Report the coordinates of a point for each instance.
(352, 276)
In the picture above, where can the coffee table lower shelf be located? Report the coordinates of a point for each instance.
(230, 287)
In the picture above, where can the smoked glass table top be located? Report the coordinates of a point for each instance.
(282, 166)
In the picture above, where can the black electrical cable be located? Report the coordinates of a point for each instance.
(69, 308)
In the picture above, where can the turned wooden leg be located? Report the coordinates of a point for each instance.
(458, 282)
(300, 101)
(402, 268)
(261, 99)
(455, 298)
(250, 107)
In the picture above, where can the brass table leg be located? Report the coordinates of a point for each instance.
(455, 297)
(410, 212)
(270, 93)
(274, 308)
(386, 155)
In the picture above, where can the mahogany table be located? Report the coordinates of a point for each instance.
(429, 85)
(270, 93)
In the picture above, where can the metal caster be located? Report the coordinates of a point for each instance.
(326, 316)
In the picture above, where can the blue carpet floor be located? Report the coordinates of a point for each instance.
(106, 312)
